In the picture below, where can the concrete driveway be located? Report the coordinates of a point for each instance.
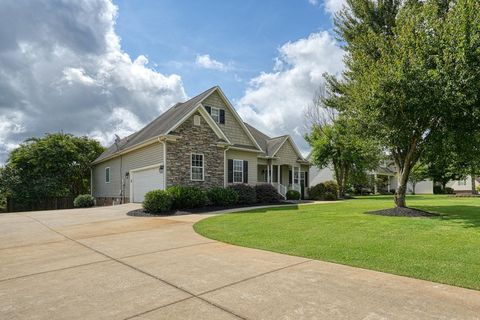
(102, 264)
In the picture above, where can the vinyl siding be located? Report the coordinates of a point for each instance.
(232, 129)
(147, 156)
(287, 154)
(251, 157)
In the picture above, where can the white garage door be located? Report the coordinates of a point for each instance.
(144, 181)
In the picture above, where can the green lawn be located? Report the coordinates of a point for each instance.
(443, 249)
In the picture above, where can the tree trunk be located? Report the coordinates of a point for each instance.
(474, 188)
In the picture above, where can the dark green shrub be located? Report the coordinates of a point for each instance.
(437, 190)
(293, 195)
(157, 202)
(331, 187)
(246, 194)
(327, 190)
(329, 197)
(84, 201)
(222, 197)
(266, 193)
(185, 197)
(449, 190)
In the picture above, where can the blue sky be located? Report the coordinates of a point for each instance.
(243, 35)
(101, 68)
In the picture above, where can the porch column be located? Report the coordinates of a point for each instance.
(375, 189)
(268, 172)
(278, 174)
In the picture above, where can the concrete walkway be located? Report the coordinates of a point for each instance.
(101, 264)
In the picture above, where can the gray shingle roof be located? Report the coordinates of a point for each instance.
(162, 124)
(269, 145)
(157, 127)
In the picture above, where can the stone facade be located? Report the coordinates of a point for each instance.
(200, 139)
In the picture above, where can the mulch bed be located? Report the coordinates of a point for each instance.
(403, 212)
(143, 213)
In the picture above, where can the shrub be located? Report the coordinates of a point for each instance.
(327, 190)
(266, 193)
(84, 201)
(246, 194)
(437, 190)
(316, 192)
(331, 187)
(222, 197)
(157, 201)
(449, 190)
(478, 189)
(185, 197)
(293, 195)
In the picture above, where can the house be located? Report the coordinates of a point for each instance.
(384, 179)
(463, 185)
(201, 142)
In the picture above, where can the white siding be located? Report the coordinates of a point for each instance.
(317, 176)
(422, 187)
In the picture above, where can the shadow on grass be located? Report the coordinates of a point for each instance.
(468, 216)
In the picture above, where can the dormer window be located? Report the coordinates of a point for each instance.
(217, 114)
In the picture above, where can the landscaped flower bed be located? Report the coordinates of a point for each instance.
(185, 199)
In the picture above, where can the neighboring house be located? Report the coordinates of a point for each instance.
(464, 185)
(385, 178)
(201, 142)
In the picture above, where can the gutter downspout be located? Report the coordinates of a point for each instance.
(164, 143)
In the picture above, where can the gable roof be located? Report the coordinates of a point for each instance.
(271, 146)
(163, 125)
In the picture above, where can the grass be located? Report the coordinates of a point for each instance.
(443, 249)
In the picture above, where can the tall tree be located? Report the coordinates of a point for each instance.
(52, 166)
(399, 81)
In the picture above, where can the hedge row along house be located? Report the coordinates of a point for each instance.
(201, 142)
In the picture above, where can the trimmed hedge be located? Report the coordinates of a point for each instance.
(266, 193)
(327, 190)
(222, 197)
(84, 201)
(246, 194)
(186, 197)
(293, 195)
(157, 202)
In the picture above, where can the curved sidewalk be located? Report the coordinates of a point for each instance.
(101, 263)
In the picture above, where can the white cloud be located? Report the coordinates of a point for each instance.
(275, 100)
(206, 62)
(313, 2)
(333, 6)
(64, 69)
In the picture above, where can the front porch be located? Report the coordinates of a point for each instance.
(284, 177)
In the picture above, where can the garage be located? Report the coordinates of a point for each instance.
(144, 180)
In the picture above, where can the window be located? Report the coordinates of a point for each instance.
(107, 175)
(462, 182)
(237, 171)
(216, 114)
(295, 177)
(197, 167)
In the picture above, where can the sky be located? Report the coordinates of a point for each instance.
(100, 68)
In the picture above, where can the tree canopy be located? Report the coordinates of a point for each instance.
(412, 73)
(55, 165)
